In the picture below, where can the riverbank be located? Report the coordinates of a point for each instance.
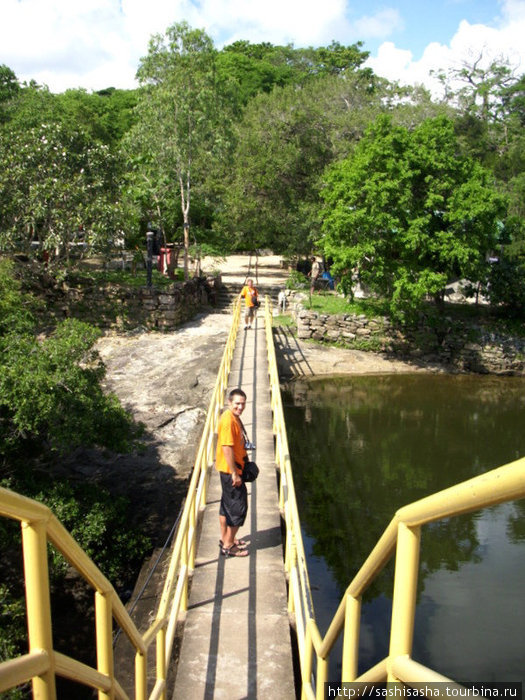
(300, 358)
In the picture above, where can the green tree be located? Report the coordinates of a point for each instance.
(409, 214)
(58, 189)
(256, 68)
(105, 115)
(181, 122)
(284, 141)
(9, 88)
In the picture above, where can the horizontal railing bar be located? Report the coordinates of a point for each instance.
(506, 483)
(158, 689)
(409, 671)
(14, 672)
(375, 674)
(376, 560)
(150, 633)
(17, 507)
(75, 670)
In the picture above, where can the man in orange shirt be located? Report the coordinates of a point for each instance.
(229, 462)
(251, 296)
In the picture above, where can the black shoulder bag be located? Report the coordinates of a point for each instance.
(250, 471)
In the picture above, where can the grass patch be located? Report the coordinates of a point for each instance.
(283, 321)
(329, 303)
(124, 278)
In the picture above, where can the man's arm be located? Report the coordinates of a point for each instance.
(227, 451)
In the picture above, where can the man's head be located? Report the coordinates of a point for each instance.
(249, 282)
(236, 401)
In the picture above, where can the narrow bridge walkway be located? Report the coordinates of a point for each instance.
(236, 641)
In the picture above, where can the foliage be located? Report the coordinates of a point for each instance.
(124, 278)
(59, 192)
(106, 115)
(15, 307)
(251, 69)
(297, 280)
(12, 617)
(98, 522)
(409, 214)
(182, 122)
(50, 390)
(505, 286)
(51, 399)
(284, 141)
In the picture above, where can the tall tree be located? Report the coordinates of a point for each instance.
(409, 213)
(9, 87)
(179, 126)
(284, 141)
(57, 188)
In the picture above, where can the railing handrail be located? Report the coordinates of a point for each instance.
(401, 537)
(40, 526)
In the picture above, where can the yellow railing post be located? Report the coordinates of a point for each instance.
(184, 565)
(404, 597)
(161, 659)
(103, 621)
(38, 603)
(141, 673)
(351, 639)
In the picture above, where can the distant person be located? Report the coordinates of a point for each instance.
(315, 273)
(229, 462)
(251, 297)
(281, 300)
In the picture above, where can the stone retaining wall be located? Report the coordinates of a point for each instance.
(167, 308)
(112, 306)
(459, 346)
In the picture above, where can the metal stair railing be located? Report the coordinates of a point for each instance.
(39, 527)
(400, 539)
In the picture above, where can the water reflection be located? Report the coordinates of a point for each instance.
(364, 446)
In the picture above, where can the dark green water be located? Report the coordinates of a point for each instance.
(364, 446)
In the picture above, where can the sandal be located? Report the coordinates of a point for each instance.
(242, 544)
(234, 551)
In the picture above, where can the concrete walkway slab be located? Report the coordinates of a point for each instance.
(236, 641)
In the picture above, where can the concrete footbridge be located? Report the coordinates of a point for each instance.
(237, 627)
(236, 641)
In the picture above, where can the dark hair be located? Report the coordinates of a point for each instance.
(236, 392)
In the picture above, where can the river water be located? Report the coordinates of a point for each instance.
(364, 446)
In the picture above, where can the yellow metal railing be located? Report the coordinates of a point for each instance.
(39, 526)
(401, 537)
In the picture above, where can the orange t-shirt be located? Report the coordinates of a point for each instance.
(250, 294)
(229, 433)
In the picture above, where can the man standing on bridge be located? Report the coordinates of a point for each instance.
(229, 462)
(251, 296)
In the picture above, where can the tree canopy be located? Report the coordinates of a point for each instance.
(226, 149)
(408, 214)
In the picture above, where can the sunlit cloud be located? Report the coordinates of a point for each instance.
(98, 43)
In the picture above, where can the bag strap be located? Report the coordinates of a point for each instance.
(245, 434)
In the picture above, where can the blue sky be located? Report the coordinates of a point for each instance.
(98, 43)
(426, 21)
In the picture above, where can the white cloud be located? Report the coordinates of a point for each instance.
(301, 22)
(379, 26)
(97, 43)
(503, 41)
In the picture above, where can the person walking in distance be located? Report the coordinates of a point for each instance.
(251, 297)
(315, 273)
(229, 462)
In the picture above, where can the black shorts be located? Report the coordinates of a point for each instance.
(234, 501)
